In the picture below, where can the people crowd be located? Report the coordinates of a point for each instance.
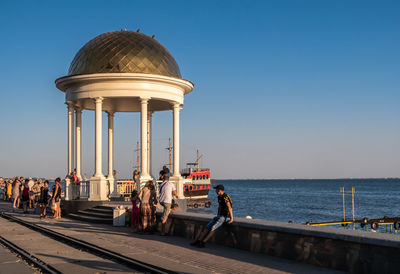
(32, 195)
(144, 205)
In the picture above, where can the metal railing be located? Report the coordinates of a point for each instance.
(125, 187)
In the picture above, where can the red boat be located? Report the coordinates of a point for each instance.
(197, 182)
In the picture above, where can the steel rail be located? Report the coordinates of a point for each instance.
(91, 248)
(26, 256)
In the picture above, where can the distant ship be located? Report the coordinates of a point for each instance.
(197, 184)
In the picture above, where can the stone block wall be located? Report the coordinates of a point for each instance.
(346, 250)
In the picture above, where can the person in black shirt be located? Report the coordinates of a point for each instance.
(43, 199)
(224, 215)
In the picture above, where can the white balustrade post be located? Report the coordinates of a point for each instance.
(149, 122)
(70, 137)
(112, 187)
(176, 109)
(98, 141)
(144, 174)
(98, 184)
(110, 144)
(176, 177)
(78, 132)
(143, 136)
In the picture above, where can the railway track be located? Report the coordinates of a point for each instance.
(135, 265)
(29, 258)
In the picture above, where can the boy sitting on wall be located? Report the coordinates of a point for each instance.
(224, 211)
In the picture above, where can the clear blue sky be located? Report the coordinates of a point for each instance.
(283, 89)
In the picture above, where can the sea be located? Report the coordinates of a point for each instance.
(302, 201)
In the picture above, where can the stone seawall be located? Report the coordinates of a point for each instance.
(346, 250)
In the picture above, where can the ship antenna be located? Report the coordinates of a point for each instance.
(197, 159)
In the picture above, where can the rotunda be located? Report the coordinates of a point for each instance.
(121, 71)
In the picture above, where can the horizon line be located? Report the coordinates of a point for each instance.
(288, 179)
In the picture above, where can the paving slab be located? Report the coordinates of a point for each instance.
(173, 253)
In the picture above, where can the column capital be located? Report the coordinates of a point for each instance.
(78, 109)
(98, 100)
(70, 105)
(144, 100)
(110, 113)
(176, 105)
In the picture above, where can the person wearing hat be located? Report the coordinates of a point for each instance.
(225, 215)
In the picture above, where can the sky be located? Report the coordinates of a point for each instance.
(283, 89)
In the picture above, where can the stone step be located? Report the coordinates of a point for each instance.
(100, 210)
(109, 208)
(90, 219)
(96, 214)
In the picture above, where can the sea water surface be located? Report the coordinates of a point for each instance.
(304, 201)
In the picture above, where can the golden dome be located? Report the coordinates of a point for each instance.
(124, 52)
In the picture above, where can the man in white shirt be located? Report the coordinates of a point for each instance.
(167, 190)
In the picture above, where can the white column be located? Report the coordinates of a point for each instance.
(78, 132)
(70, 136)
(98, 142)
(110, 144)
(143, 137)
(149, 117)
(176, 109)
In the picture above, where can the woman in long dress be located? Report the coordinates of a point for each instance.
(15, 190)
(148, 202)
(135, 221)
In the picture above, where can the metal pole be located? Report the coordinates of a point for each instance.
(352, 203)
(344, 209)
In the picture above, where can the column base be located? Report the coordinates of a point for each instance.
(112, 187)
(178, 181)
(98, 189)
(68, 189)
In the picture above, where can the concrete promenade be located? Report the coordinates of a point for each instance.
(173, 253)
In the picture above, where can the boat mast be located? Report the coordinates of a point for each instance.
(138, 156)
(169, 148)
(197, 160)
(170, 154)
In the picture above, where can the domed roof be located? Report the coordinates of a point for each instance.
(124, 52)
